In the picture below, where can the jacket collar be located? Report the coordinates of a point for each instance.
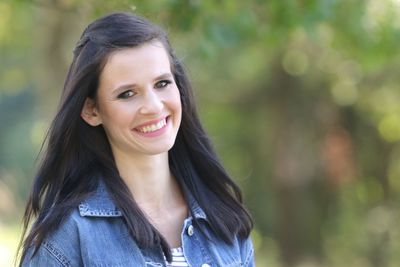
(101, 204)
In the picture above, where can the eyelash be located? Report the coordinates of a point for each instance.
(164, 82)
(159, 85)
(126, 94)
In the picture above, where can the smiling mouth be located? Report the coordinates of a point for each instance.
(152, 127)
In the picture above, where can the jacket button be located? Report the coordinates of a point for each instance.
(191, 231)
(205, 265)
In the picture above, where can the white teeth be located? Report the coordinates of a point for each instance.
(153, 127)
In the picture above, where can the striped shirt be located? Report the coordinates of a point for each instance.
(178, 259)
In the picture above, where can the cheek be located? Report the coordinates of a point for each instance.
(117, 115)
(178, 110)
(176, 100)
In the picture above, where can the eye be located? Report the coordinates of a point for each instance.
(126, 94)
(163, 83)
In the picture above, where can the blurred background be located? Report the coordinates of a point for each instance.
(302, 100)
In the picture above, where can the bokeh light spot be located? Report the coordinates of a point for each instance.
(344, 93)
(295, 62)
(389, 127)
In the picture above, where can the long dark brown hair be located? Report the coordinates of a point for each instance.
(77, 154)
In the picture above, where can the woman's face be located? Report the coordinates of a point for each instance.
(138, 102)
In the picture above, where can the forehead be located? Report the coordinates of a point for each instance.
(136, 64)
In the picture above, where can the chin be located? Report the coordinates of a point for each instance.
(160, 150)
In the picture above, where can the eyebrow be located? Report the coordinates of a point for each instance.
(132, 85)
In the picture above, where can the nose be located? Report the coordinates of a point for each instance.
(152, 103)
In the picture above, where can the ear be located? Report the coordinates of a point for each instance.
(90, 113)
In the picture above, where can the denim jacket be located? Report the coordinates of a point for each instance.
(95, 235)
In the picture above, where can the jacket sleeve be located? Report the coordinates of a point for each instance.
(47, 256)
(247, 253)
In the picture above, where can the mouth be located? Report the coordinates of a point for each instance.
(152, 126)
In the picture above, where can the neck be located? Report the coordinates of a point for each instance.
(149, 180)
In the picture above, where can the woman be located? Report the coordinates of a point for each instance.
(129, 177)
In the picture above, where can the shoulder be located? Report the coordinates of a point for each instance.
(59, 248)
(202, 245)
(81, 229)
(241, 249)
(238, 252)
(242, 246)
(82, 240)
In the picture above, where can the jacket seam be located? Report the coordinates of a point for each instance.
(249, 257)
(57, 254)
